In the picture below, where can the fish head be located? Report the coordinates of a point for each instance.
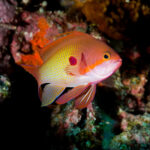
(102, 62)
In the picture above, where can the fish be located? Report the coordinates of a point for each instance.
(77, 61)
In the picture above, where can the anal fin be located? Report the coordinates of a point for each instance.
(86, 98)
(109, 82)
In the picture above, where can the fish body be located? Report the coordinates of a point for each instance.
(76, 60)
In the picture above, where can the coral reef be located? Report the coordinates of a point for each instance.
(7, 11)
(135, 133)
(4, 87)
(7, 14)
(114, 18)
(40, 31)
(136, 87)
(119, 116)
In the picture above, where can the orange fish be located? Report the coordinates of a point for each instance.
(76, 60)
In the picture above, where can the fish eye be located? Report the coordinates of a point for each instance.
(107, 55)
(72, 60)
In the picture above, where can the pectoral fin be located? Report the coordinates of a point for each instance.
(72, 70)
(109, 82)
(73, 93)
(86, 98)
(50, 93)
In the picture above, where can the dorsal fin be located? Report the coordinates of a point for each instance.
(47, 50)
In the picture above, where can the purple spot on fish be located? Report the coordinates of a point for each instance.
(72, 60)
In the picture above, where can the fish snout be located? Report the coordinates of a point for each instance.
(119, 62)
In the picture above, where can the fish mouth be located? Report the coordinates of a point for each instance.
(115, 64)
(119, 62)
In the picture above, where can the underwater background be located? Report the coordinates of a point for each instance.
(119, 117)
